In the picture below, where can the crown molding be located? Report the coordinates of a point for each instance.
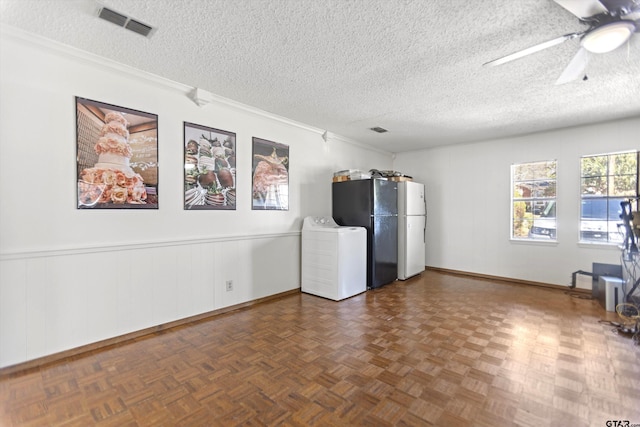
(205, 98)
(20, 36)
(329, 136)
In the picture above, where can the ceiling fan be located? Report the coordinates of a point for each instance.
(611, 23)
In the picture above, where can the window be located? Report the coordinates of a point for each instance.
(606, 180)
(533, 200)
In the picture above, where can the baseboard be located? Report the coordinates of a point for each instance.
(507, 279)
(34, 364)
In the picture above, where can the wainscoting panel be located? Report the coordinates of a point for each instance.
(52, 301)
(13, 311)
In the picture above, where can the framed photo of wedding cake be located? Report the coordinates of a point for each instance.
(117, 157)
(209, 168)
(270, 171)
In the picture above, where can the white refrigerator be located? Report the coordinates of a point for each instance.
(412, 222)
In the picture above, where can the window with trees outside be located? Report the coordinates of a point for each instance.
(606, 181)
(533, 201)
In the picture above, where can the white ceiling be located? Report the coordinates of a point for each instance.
(413, 67)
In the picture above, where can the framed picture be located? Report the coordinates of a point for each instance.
(209, 168)
(117, 157)
(270, 185)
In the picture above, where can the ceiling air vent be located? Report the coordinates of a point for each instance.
(124, 21)
(112, 16)
(379, 129)
(138, 27)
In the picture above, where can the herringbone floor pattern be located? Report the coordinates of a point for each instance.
(436, 350)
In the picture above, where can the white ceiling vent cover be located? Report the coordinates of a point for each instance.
(124, 21)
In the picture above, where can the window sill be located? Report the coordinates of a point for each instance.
(534, 242)
(596, 245)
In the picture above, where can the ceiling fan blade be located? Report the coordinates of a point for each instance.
(533, 49)
(576, 67)
(634, 16)
(624, 6)
(583, 8)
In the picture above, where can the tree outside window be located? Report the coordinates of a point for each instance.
(533, 200)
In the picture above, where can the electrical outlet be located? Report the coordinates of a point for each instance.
(229, 285)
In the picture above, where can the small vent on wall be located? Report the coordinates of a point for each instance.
(124, 21)
(379, 129)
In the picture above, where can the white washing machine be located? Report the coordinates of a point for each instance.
(334, 259)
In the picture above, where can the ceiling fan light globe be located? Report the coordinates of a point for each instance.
(608, 37)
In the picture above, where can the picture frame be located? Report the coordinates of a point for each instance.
(270, 175)
(116, 157)
(209, 168)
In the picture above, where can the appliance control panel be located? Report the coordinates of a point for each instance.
(319, 221)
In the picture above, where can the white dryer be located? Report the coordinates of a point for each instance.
(334, 259)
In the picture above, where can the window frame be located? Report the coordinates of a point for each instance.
(611, 223)
(547, 234)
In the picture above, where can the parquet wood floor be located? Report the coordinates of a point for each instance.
(440, 350)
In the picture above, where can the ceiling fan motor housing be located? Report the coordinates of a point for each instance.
(608, 36)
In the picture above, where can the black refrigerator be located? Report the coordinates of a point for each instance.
(372, 204)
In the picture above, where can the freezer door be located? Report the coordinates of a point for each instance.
(351, 203)
(411, 246)
(385, 197)
(411, 199)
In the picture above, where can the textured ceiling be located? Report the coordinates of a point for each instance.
(412, 67)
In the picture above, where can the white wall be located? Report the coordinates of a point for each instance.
(468, 196)
(71, 277)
